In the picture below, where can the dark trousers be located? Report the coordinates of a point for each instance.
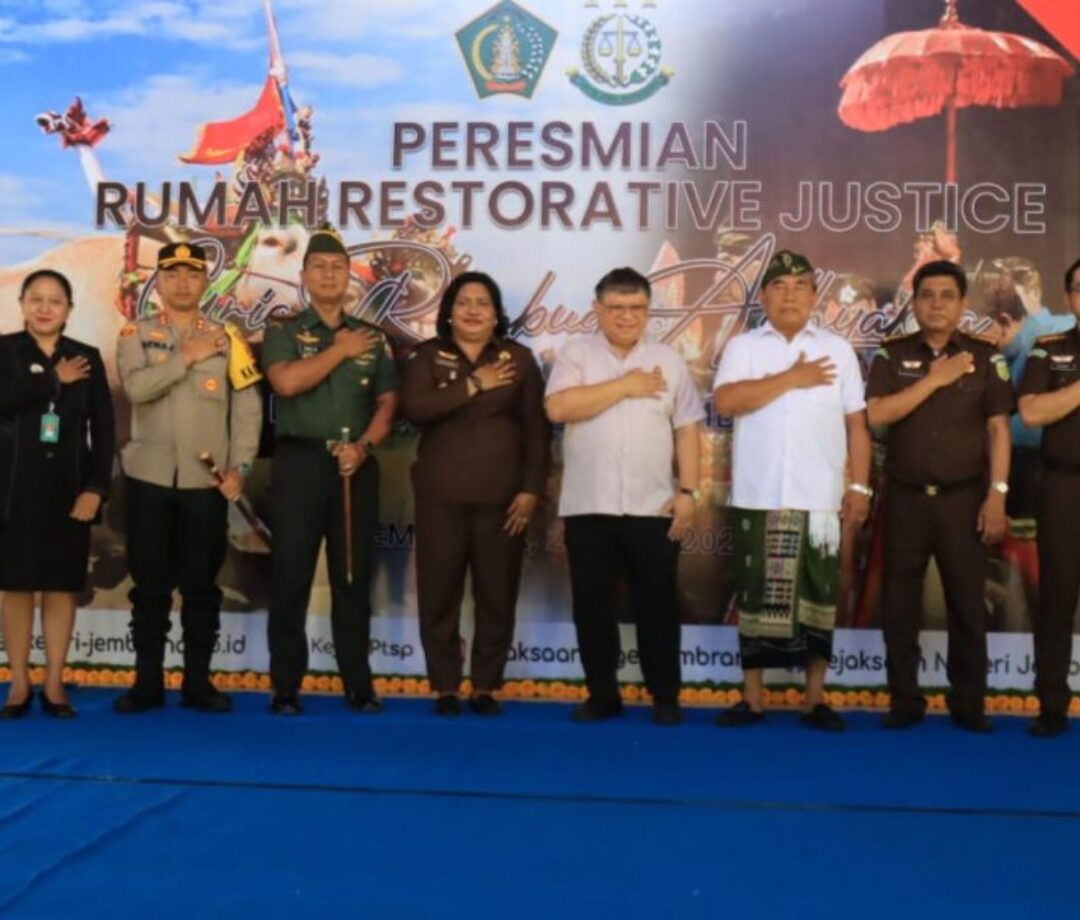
(600, 549)
(452, 539)
(176, 538)
(1059, 587)
(917, 527)
(309, 506)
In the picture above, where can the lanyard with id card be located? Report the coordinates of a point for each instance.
(50, 426)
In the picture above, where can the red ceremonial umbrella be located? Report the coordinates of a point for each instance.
(912, 75)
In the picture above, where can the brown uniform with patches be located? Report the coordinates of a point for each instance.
(937, 469)
(1054, 363)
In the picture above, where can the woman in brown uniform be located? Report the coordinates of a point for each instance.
(478, 477)
(56, 454)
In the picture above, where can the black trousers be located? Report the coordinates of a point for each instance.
(309, 506)
(601, 548)
(176, 538)
(452, 539)
(1059, 587)
(943, 526)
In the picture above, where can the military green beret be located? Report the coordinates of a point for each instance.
(326, 239)
(786, 262)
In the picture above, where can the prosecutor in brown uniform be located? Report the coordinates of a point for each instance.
(946, 398)
(1050, 396)
(478, 478)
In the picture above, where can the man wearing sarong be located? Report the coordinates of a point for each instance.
(796, 395)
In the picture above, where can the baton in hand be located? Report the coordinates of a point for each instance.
(254, 521)
(346, 494)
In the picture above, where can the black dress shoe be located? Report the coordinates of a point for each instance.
(17, 710)
(972, 722)
(1047, 725)
(57, 710)
(447, 705)
(484, 704)
(901, 718)
(596, 710)
(363, 701)
(138, 699)
(738, 716)
(282, 704)
(824, 718)
(666, 714)
(206, 698)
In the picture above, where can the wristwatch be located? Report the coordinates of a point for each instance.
(861, 489)
(476, 382)
(367, 447)
(244, 469)
(999, 486)
(695, 494)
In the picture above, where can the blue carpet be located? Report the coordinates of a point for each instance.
(175, 813)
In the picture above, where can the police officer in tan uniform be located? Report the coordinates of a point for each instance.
(175, 370)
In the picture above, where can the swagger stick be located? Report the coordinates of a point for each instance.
(254, 521)
(346, 492)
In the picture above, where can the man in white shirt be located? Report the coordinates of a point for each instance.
(796, 394)
(630, 410)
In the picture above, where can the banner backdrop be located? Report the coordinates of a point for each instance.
(546, 143)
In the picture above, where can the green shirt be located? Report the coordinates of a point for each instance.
(346, 397)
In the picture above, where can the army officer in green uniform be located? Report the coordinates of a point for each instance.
(335, 389)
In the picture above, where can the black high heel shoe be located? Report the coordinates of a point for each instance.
(56, 710)
(17, 710)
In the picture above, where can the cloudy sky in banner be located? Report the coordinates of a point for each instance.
(157, 69)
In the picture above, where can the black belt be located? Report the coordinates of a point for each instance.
(1053, 466)
(936, 488)
(320, 443)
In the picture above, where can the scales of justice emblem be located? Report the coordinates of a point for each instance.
(620, 57)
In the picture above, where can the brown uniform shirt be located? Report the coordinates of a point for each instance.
(481, 449)
(944, 441)
(1053, 364)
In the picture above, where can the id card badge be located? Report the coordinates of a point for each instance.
(50, 427)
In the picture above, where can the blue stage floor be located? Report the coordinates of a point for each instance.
(178, 814)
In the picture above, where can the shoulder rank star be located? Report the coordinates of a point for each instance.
(504, 355)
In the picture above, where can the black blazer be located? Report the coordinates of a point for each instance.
(28, 384)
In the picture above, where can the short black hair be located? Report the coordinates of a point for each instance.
(446, 305)
(940, 269)
(47, 273)
(624, 280)
(1069, 272)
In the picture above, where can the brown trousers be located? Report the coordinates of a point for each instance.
(453, 539)
(919, 526)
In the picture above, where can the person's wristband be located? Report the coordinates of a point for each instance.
(860, 489)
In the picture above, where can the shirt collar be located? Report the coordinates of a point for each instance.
(767, 328)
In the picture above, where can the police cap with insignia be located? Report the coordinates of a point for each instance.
(786, 262)
(325, 240)
(189, 254)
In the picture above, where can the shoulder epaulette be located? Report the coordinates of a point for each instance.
(981, 339)
(1050, 339)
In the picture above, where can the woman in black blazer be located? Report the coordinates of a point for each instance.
(56, 452)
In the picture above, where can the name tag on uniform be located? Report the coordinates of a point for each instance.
(308, 344)
(50, 427)
(911, 368)
(1063, 362)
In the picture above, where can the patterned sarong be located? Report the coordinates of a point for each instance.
(787, 579)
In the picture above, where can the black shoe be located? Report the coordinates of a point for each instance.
(666, 714)
(363, 701)
(901, 718)
(596, 710)
(1047, 725)
(18, 710)
(824, 718)
(57, 710)
(484, 704)
(973, 722)
(206, 698)
(138, 699)
(282, 704)
(738, 716)
(447, 705)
